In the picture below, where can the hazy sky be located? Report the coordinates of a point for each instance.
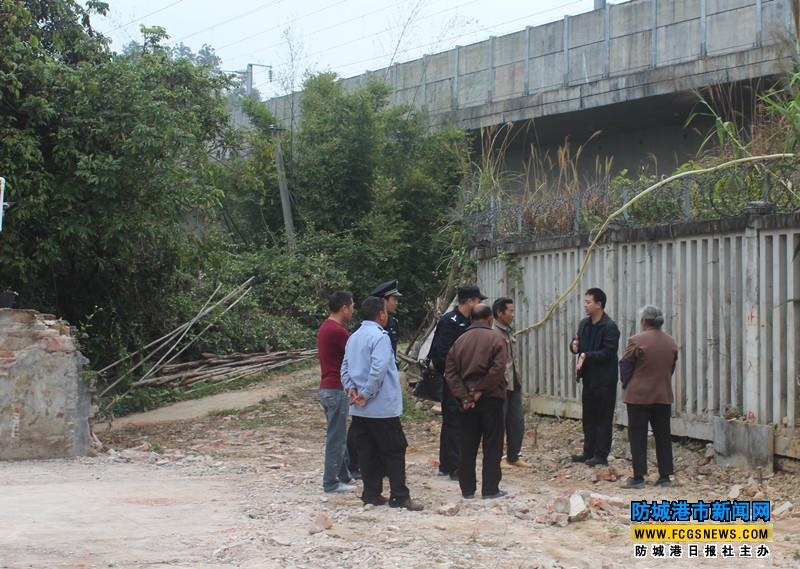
(345, 36)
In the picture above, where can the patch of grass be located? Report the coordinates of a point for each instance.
(157, 448)
(411, 411)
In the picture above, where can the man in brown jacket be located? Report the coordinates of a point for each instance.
(475, 374)
(646, 373)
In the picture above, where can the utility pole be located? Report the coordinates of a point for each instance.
(3, 204)
(286, 206)
(249, 76)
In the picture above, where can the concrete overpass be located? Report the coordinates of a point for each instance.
(628, 69)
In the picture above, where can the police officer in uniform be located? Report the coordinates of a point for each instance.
(390, 294)
(448, 330)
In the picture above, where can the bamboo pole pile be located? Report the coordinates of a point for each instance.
(212, 368)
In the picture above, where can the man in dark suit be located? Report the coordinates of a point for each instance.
(596, 345)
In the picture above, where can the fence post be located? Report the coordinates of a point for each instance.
(752, 317)
(687, 202)
(610, 282)
(625, 194)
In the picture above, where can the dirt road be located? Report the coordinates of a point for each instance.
(243, 489)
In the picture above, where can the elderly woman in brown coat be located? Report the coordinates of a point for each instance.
(646, 373)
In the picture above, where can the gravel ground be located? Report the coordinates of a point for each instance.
(242, 488)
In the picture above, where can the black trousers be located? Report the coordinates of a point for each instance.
(514, 419)
(598, 417)
(381, 446)
(352, 451)
(658, 417)
(483, 423)
(450, 435)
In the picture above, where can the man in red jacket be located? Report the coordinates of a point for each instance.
(476, 376)
(331, 339)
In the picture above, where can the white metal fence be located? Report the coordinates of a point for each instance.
(730, 291)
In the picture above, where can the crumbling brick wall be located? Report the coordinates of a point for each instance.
(44, 404)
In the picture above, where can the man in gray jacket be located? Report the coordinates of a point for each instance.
(513, 416)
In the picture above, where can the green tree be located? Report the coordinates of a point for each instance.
(107, 159)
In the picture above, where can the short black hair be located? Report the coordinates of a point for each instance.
(371, 308)
(481, 312)
(501, 305)
(598, 296)
(339, 299)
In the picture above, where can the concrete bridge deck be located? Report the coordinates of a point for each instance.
(620, 53)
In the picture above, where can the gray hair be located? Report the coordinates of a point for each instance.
(652, 315)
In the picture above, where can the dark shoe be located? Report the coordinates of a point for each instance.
(454, 475)
(500, 494)
(379, 501)
(577, 458)
(594, 461)
(634, 483)
(664, 481)
(468, 496)
(408, 504)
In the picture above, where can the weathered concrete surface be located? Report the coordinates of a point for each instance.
(617, 54)
(44, 404)
(743, 445)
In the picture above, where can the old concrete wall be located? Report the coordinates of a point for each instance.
(44, 404)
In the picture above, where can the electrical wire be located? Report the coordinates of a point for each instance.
(440, 41)
(313, 32)
(262, 32)
(367, 36)
(233, 19)
(461, 35)
(154, 12)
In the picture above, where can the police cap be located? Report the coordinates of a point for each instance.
(389, 288)
(470, 291)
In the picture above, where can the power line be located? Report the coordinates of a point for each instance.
(326, 28)
(348, 42)
(262, 32)
(233, 19)
(389, 29)
(438, 42)
(123, 26)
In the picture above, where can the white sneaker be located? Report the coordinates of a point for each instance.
(341, 488)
